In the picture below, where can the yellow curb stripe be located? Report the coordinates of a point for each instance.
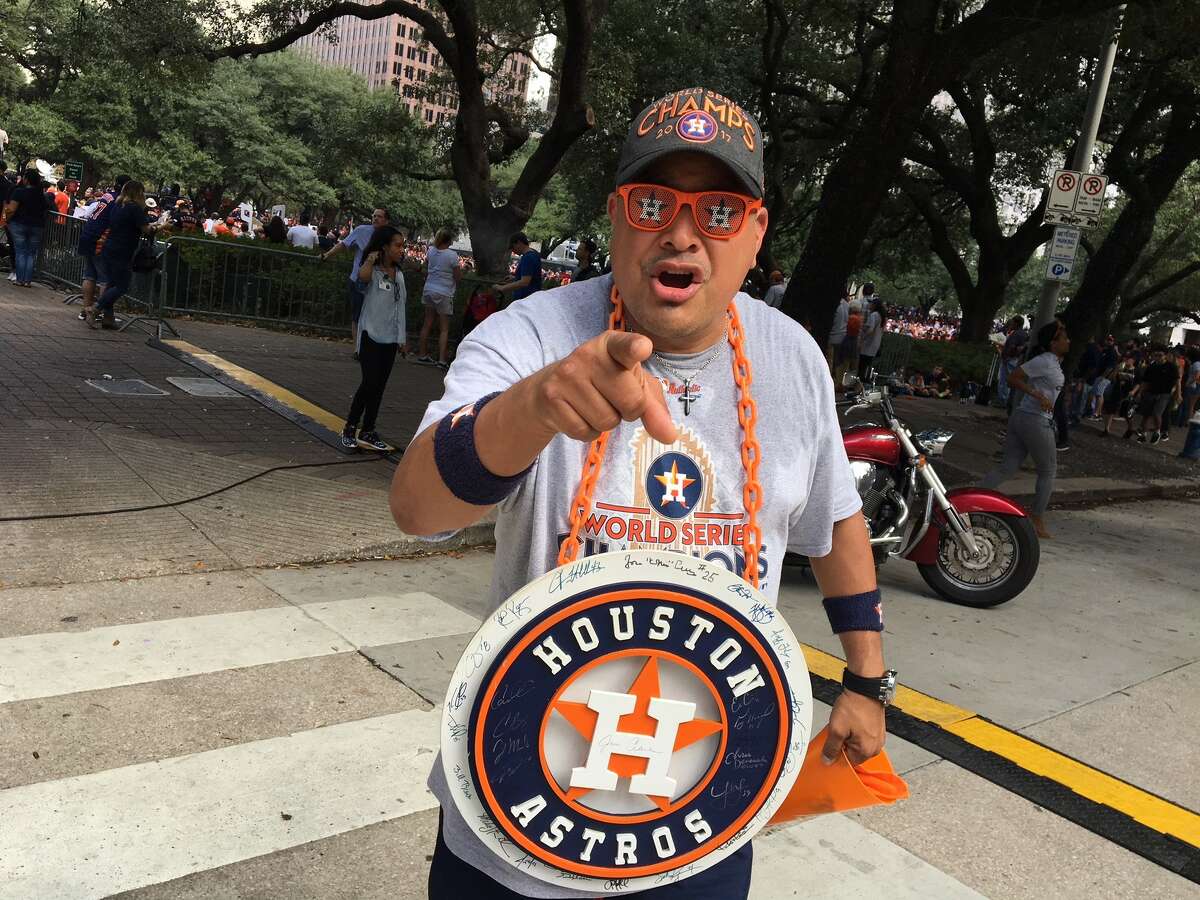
(256, 381)
(1152, 811)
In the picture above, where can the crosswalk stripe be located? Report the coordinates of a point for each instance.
(371, 621)
(94, 835)
(45, 665)
(144, 824)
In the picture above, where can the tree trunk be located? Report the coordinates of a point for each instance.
(490, 229)
(858, 182)
(980, 313)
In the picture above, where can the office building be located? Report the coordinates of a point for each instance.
(392, 53)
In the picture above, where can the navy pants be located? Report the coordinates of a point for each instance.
(452, 879)
(119, 277)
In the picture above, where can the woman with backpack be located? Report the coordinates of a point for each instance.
(382, 332)
(126, 225)
(26, 213)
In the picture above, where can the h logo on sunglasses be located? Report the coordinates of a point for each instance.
(652, 209)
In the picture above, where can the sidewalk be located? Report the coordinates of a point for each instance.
(323, 371)
(70, 450)
(1093, 469)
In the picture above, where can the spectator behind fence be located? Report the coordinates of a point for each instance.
(528, 277)
(382, 332)
(302, 235)
(872, 335)
(7, 186)
(837, 336)
(275, 231)
(126, 225)
(95, 272)
(778, 287)
(585, 257)
(1191, 387)
(1011, 354)
(1117, 402)
(442, 274)
(359, 238)
(26, 213)
(481, 305)
(325, 238)
(1031, 426)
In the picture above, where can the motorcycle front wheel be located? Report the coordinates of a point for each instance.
(1008, 560)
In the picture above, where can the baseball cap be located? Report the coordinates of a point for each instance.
(697, 120)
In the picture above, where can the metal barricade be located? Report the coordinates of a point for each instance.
(60, 262)
(894, 352)
(244, 280)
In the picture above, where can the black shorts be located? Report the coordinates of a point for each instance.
(1153, 404)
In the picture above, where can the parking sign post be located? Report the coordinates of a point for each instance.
(1082, 163)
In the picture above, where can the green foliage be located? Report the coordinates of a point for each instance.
(962, 362)
(277, 129)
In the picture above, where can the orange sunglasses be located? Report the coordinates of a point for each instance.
(717, 214)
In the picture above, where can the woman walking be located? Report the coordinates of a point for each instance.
(381, 333)
(26, 214)
(126, 225)
(442, 274)
(1031, 425)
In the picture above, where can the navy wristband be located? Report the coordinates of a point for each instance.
(459, 464)
(855, 612)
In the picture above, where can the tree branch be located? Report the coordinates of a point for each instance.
(573, 116)
(429, 23)
(1170, 281)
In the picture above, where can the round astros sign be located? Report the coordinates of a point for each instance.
(626, 720)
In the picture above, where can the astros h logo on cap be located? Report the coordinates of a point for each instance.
(626, 720)
(697, 120)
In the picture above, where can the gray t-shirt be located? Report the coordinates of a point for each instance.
(1045, 375)
(685, 497)
(383, 315)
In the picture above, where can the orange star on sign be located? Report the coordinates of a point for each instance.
(645, 687)
(674, 483)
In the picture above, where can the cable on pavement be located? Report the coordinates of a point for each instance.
(390, 457)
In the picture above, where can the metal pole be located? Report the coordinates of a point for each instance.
(1082, 162)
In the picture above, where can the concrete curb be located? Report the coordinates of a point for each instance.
(1117, 494)
(480, 535)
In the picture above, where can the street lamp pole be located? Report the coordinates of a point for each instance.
(1082, 162)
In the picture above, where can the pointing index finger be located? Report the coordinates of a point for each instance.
(628, 350)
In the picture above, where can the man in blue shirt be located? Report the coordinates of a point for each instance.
(528, 279)
(358, 239)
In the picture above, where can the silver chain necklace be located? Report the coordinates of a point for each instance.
(686, 398)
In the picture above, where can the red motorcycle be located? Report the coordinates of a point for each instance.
(973, 546)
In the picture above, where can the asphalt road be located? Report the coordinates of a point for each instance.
(266, 732)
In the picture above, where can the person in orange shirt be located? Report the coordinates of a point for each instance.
(62, 200)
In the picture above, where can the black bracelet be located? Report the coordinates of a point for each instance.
(458, 462)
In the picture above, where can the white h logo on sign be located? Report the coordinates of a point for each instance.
(656, 748)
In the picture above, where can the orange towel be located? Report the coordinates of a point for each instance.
(821, 789)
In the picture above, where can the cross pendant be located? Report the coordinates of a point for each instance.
(686, 397)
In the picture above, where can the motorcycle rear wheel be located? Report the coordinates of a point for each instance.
(1009, 560)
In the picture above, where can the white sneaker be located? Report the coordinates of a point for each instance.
(12, 276)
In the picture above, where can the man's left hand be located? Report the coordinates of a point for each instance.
(856, 725)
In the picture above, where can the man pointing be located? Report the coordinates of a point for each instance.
(536, 382)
